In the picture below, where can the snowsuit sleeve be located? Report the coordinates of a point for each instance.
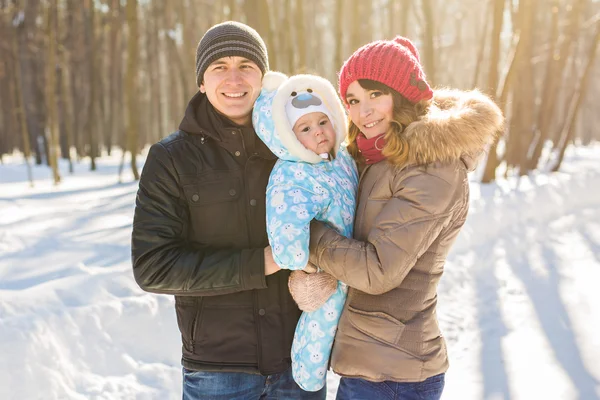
(291, 204)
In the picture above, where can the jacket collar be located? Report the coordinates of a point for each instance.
(458, 126)
(202, 120)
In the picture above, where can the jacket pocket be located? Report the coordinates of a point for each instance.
(188, 310)
(379, 326)
(376, 324)
(215, 208)
(227, 334)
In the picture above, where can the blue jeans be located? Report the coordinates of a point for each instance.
(240, 386)
(360, 389)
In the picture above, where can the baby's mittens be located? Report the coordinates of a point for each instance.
(311, 291)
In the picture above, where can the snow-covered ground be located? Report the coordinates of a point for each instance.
(519, 303)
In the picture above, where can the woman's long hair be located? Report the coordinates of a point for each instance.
(404, 113)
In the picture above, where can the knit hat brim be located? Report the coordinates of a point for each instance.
(395, 63)
(230, 39)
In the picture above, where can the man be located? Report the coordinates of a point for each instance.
(199, 232)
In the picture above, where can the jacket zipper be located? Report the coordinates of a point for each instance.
(248, 233)
(195, 324)
(245, 188)
(358, 218)
(258, 341)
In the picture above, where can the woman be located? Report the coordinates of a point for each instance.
(414, 147)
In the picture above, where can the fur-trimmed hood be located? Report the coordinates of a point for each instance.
(458, 125)
(270, 119)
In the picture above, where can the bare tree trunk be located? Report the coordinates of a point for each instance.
(428, 42)
(8, 119)
(187, 55)
(589, 117)
(179, 78)
(288, 44)
(153, 130)
(301, 38)
(68, 108)
(251, 12)
(522, 117)
(498, 16)
(398, 14)
(100, 78)
(553, 78)
(75, 25)
(18, 100)
(514, 60)
(267, 32)
(66, 95)
(157, 71)
(550, 70)
(566, 96)
(339, 35)
(357, 19)
(176, 57)
(173, 99)
(492, 85)
(90, 125)
(131, 84)
(391, 18)
(51, 98)
(233, 10)
(32, 73)
(569, 129)
(115, 72)
(482, 43)
(258, 16)
(146, 117)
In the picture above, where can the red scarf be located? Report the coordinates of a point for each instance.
(371, 148)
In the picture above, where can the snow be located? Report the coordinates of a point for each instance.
(518, 303)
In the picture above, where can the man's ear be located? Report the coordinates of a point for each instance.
(202, 89)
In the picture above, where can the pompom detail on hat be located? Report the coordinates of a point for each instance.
(409, 45)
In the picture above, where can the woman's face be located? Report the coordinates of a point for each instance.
(370, 110)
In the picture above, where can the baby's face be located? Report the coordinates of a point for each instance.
(315, 132)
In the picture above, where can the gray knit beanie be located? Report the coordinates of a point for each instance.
(230, 39)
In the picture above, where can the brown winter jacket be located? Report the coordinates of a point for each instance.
(407, 219)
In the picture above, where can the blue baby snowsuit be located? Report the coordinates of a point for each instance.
(303, 186)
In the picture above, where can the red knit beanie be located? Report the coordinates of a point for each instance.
(394, 63)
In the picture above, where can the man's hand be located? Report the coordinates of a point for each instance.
(270, 266)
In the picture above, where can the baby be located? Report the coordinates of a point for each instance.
(302, 121)
(311, 124)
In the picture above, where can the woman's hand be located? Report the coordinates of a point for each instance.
(311, 291)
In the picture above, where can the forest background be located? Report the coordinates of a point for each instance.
(81, 77)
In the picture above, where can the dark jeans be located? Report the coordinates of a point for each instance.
(360, 389)
(240, 386)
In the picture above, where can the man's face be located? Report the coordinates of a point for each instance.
(232, 85)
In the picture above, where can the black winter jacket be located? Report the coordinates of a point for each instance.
(199, 233)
